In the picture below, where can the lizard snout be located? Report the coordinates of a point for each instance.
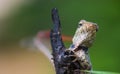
(97, 27)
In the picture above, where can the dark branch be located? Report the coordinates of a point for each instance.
(56, 42)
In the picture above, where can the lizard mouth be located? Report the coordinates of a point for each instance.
(97, 28)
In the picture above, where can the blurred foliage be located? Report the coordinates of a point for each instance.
(29, 19)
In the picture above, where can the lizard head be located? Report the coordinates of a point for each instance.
(85, 34)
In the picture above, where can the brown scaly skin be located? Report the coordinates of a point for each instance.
(75, 58)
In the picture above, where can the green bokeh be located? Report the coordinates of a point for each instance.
(106, 13)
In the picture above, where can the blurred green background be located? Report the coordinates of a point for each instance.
(29, 17)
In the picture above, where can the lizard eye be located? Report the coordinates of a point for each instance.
(79, 25)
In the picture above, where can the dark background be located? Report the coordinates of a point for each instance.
(28, 19)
